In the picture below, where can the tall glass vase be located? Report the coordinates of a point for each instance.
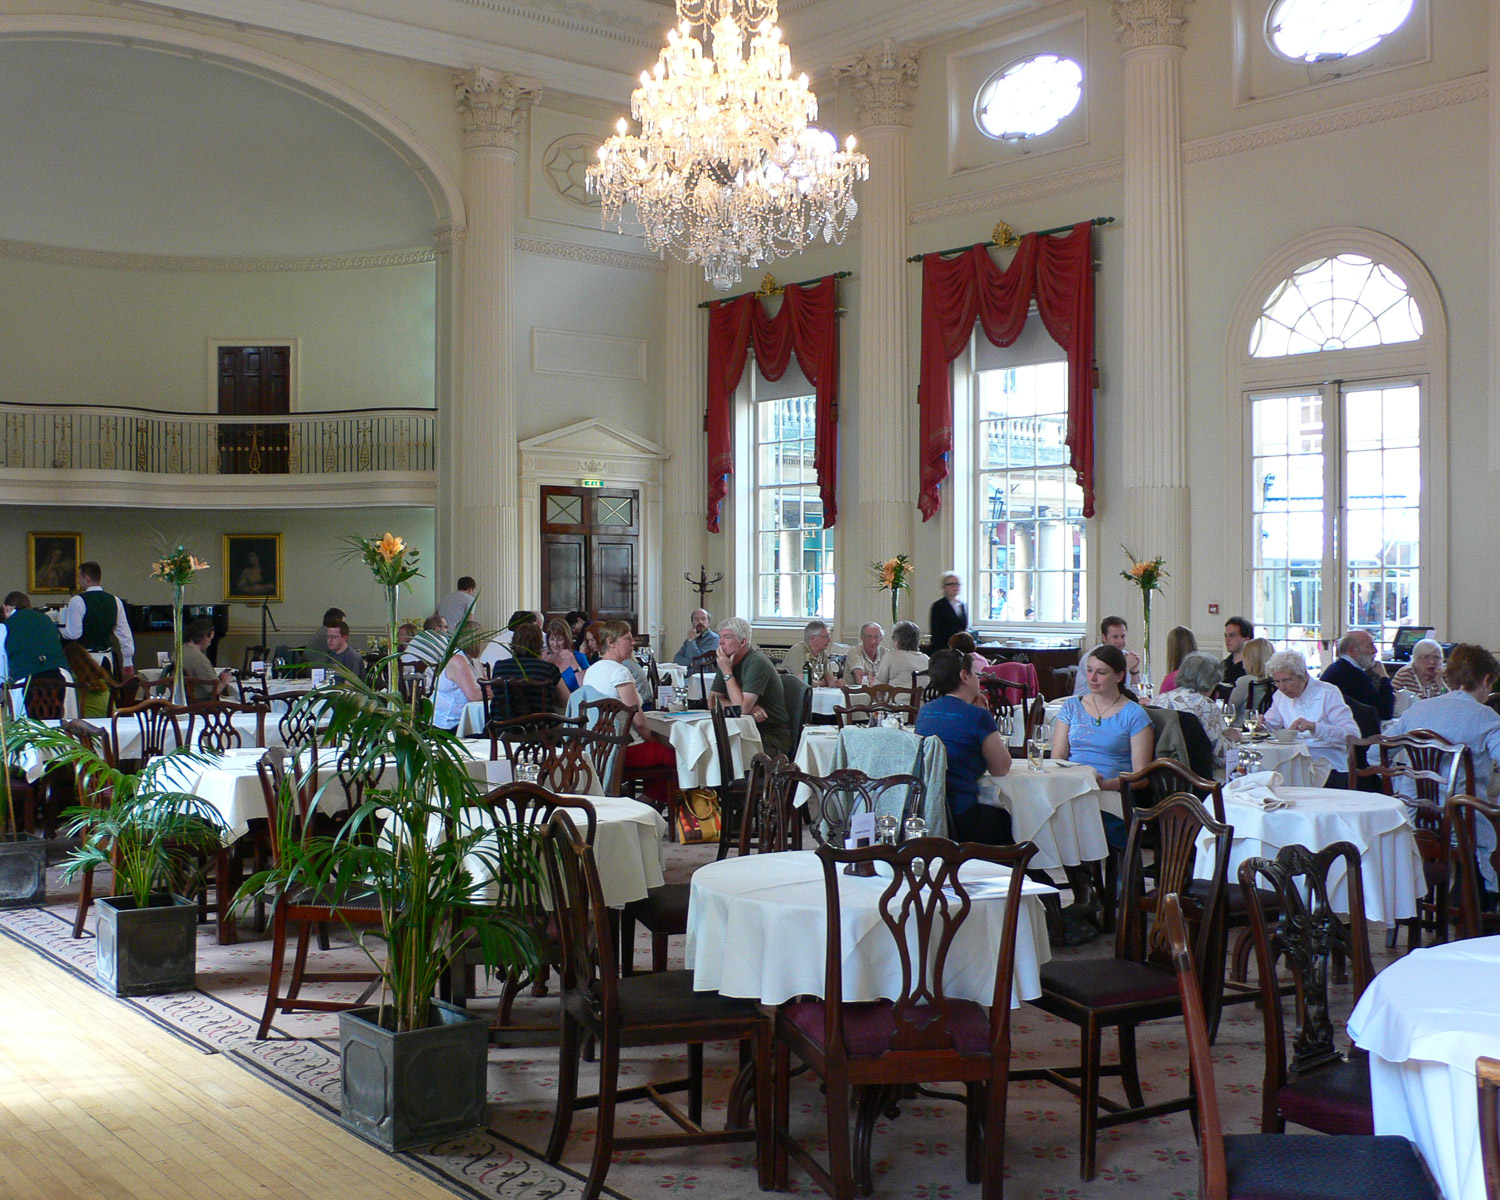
(393, 663)
(179, 678)
(1146, 689)
(895, 606)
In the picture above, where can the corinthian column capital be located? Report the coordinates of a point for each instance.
(884, 80)
(1142, 23)
(492, 105)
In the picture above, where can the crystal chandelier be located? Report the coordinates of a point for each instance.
(728, 169)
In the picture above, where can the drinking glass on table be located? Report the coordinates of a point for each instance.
(528, 772)
(1036, 751)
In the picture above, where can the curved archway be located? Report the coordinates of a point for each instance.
(419, 155)
(1305, 428)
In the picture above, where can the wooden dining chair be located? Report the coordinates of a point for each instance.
(1136, 985)
(768, 821)
(291, 797)
(91, 790)
(211, 725)
(1487, 1074)
(1316, 1087)
(298, 727)
(1256, 1166)
(644, 1010)
(836, 798)
(569, 759)
(47, 699)
(1433, 770)
(873, 713)
(159, 723)
(922, 1034)
(1464, 814)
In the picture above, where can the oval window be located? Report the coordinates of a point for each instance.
(1315, 31)
(1028, 98)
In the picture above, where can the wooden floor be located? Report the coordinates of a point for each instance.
(97, 1101)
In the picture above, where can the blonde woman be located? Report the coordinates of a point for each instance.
(1253, 690)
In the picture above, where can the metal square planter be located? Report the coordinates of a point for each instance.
(146, 951)
(401, 1090)
(23, 870)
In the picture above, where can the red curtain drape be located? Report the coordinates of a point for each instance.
(1056, 272)
(805, 325)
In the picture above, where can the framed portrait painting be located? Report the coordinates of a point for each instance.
(52, 562)
(252, 567)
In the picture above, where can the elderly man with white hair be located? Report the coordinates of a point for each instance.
(1312, 707)
(1423, 675)
(812, 657)
(748, 678)
(864, 659)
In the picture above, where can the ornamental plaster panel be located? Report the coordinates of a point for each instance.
(883, 80)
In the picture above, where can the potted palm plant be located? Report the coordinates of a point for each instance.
(413, 1067)
(23, 856)
(149, 831)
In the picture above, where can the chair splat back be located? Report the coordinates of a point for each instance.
(211, 724)
(157, 721)
(770, 822)
(589, 966)
(1463, 813)
(1176, 823)
(839, 796)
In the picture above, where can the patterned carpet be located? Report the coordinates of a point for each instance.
(917, 1156)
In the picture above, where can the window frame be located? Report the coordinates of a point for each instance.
(744, 529)
(965, 503)
(1423, 362)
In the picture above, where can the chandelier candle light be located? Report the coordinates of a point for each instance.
(177, 567)
(728, 169)
(1146, 574)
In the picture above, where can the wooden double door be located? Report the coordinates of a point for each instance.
(254, 381)
(591, 552)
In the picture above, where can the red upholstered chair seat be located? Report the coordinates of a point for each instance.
(869, 1027)
(1331, 1099)
(1102, 982)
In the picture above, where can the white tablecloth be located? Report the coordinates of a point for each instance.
(231, 784)
(691, 735)
(742, 910)
(1389, 860)
(1425, 1019)
(129, 744)
(1057, 808)
(1293, 760)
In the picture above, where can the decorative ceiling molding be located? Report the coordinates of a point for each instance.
(593, 255)
(1350, 116)
(69, 256)
(1018, 193)
(643, 30)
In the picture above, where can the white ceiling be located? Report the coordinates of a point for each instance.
(108, 147)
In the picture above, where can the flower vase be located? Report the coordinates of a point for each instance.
(393, 663)
(1146, 689)
(179, 677)
(895, 606)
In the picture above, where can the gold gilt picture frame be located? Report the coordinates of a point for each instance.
(52, 562)
(252, 568)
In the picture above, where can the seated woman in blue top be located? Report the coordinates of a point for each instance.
(560, 653)
(1105, 729)
(974, 746)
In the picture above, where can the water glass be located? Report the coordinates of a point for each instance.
(528, 772)
(1036, 751)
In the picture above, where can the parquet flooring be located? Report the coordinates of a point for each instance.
(97, 1101)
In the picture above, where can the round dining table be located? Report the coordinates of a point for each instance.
(1425, 1019)
(757, 925)
(1390, 864)
(1293, 760)
(1057, 807)
(691, 736)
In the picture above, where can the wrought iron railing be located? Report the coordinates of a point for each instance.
(86, 438)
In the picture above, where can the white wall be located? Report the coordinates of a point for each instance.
(94, 335)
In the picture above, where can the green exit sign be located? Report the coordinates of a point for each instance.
(591, 483)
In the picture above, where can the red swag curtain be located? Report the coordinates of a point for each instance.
(807, 325)
(1056, 272)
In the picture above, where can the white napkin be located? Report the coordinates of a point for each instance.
(1258, 788)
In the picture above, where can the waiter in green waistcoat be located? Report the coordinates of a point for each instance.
(94, 617)
(32, 643)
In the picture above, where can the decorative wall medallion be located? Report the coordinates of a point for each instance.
(564, 164)
(592, 468)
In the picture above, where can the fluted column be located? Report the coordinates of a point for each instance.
(1154, 455)
(883, 81)
(482, 531)
(1494, 241)
(686, 490)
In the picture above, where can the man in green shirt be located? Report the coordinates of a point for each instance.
(32, 642)
(748, 678)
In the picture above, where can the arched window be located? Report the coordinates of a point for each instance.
(1338, 358)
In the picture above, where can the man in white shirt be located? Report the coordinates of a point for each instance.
(1315, 708)
(1112, 630)
(455, 604)
(865, 657)
(94, 617)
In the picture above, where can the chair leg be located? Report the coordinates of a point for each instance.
(85, 898)
(1088, 1124)
(278, 957)
(1241, 958)
(782, 1100)
(974, 1121)
(299, 960)
(604, 1135)
(323, 936)
(869, 1100)
(224, 889)
(695, 1082)
(1130, 1074)
(658, 952)
(765, 1125)
(996, 1096)
(567, 1089)
(627, 945)
(840, 1162)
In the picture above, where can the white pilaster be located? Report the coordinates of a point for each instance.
(1494, 78)
(881, 521)
(1154, 387)
(482, 534)
(685, 534)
